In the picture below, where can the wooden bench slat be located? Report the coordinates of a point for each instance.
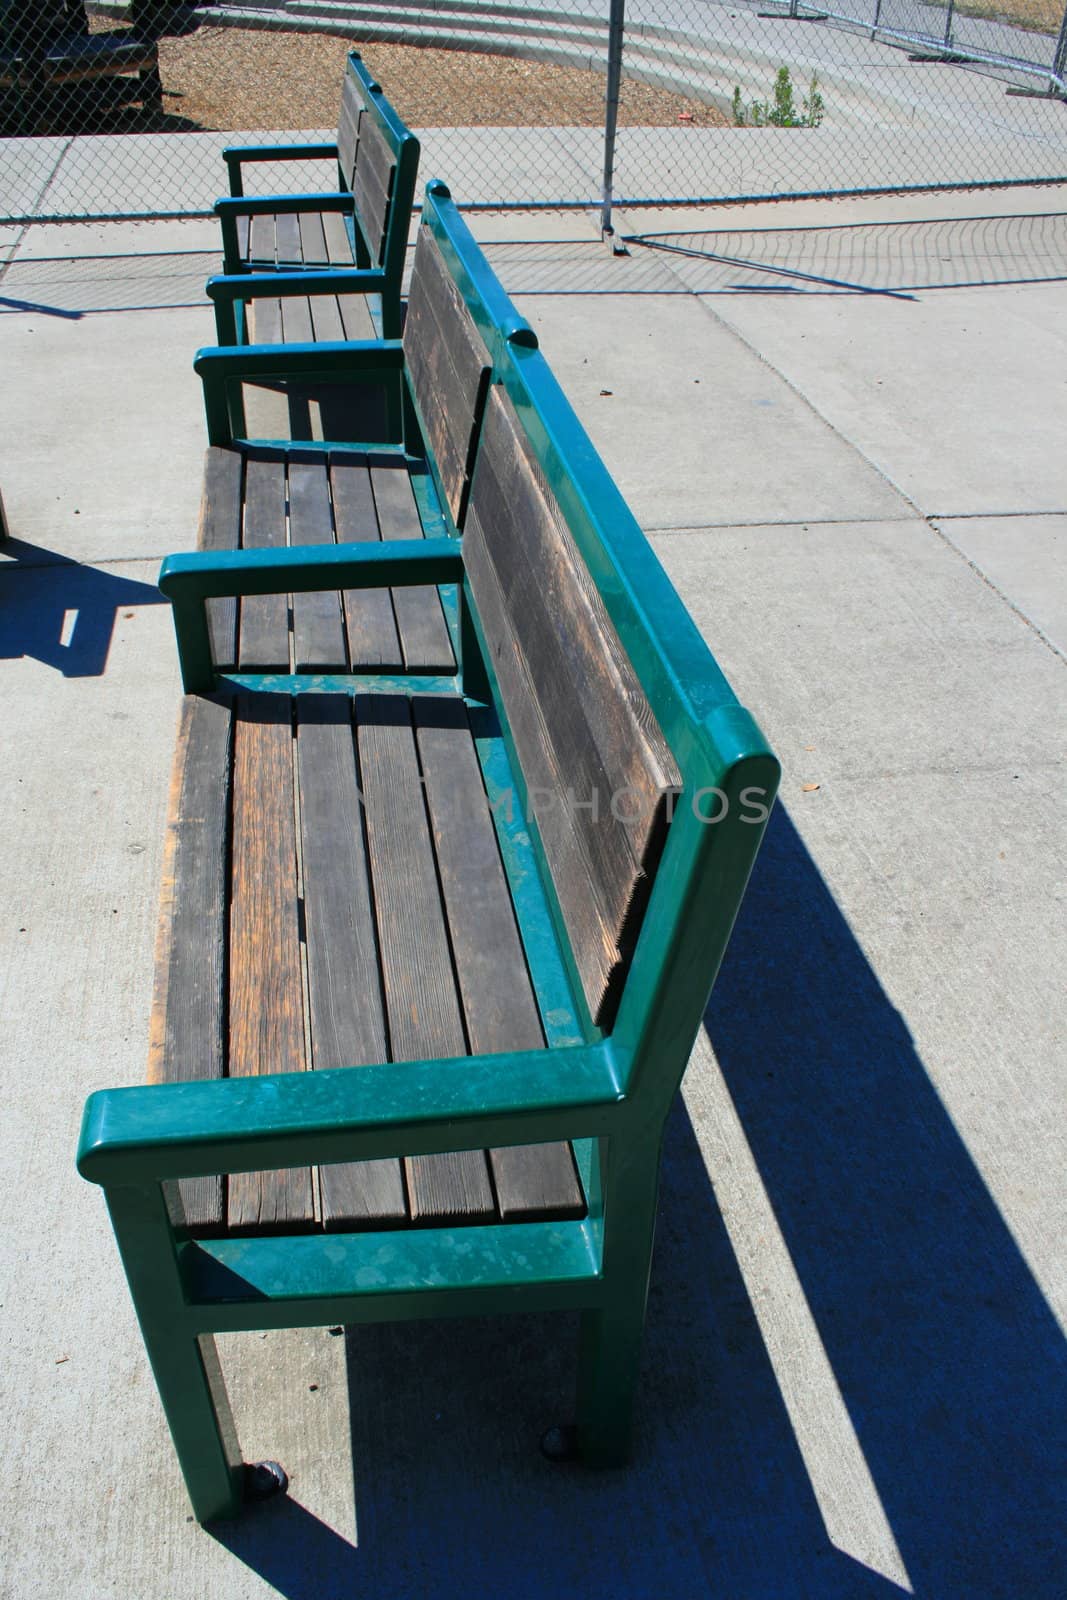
(355, 314)
(266, 980)
(373, 642)
(313, 250)
(264, 641)
(533, 1182)
(265, 321)
(262, 238)
(326, 318)
(423, 631)
(338, 242)
(220, 529)
(318, 633)
(448, 366)
(344, 983)
(296, 320)
(244, 234)
(581, 723)
(422, 1007)
(188, 1007)
(372, 187)
(287, 241)
(348, 128)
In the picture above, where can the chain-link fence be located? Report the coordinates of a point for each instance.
(121, 107)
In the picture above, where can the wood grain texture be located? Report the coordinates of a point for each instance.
(318, 632)
(262, 237)
(338, 242)
(373, 642)
(500, 1011)
(355, 314)
(244, 235)
(325, 318)
(264, 321)
(448, 369)
(348, 128)
(422, 1007)
(265, 980)
(264, 641)
(287, 247)
(372, 187)
(313, 251)
(598, 768)
(296, 320)
(424, 636)
(344, 984)
(187, 1026)
(220, 529)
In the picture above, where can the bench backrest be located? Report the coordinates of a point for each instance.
(377, 159)
(598, 771)
(645, 785)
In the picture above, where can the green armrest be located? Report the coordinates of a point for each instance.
(273, 285)
(191, 579)
(180, 1130)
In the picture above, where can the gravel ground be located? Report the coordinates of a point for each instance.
(248, 78)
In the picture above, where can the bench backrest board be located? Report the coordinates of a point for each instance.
(598, 771)
(377, 158)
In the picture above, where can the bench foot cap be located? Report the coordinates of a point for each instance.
(560, 1443)
(264, 1479)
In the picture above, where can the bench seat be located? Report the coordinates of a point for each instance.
(335, 943)
(262, 497)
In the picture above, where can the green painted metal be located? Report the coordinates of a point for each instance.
(609, 1093)
(381, 278)
(190, 580)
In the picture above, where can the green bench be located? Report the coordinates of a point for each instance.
(326, 267)
(434, 948)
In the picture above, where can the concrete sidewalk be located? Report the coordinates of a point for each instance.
(843, 426)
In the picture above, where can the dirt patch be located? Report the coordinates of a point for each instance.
(249, 78)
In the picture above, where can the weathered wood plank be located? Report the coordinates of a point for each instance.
(325, 318)
(344, 983)
(423, 1010)
(372, 187)
(287, 239)
(262, 239)
(264, 321)
(423, 631)
(355, 314)
(534, 1181)
(186, 1035)
(348, 128)
(448, 367)
(244, 236)
(318, 635)
(581, 723)
(338, 242)
(373, 642)
(313, 250)
(264, 634)
(220, 529)
(296, 320)
(266, 986)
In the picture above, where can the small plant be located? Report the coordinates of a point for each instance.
(783, 111)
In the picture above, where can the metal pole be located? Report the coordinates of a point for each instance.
(1059, 60)
(616, 24)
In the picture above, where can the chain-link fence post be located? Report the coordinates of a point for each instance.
(616, 31)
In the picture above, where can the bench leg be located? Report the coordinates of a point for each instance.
(609, 1354)
(185, 1364)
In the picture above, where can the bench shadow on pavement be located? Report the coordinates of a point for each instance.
(947, 1356)
(60, 612)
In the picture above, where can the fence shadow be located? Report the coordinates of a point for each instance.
(61, 612)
